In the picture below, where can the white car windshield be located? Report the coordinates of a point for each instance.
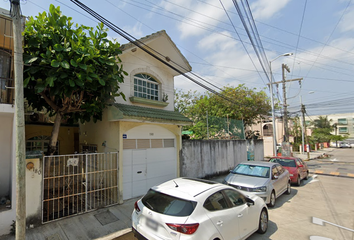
(252, 170)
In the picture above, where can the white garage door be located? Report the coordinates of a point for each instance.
(147, 161)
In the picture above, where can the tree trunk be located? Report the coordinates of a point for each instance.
(52, 147)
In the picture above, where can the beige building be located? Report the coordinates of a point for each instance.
(144, 129)
(344, 124)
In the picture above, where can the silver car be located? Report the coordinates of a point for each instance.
(265, 179)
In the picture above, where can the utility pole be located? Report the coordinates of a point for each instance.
(286, 130)
(20, 123)
(303, 111)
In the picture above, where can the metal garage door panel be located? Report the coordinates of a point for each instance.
(161, 165)
(161, 155)
(139, 173)
(140, 188)
(139, 156)
(127, 190)
(127, 174)
(127, 166)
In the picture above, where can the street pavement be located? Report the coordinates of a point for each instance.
(326, 195)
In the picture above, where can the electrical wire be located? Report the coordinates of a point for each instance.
(298, 37)
(329, 37)
(254, 65)
(313, 63)
(146, 48)
(258, 48)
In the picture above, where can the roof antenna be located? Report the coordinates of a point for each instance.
(175, 183)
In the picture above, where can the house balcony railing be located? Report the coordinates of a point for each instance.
(7, 93)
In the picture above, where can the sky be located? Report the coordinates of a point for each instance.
(210, 34)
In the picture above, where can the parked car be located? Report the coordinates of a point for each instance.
(187, 208)
(265, 179)
(345, 145)
(297, 168)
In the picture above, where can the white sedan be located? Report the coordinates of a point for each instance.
(187, 208)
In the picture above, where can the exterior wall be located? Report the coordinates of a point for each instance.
(203, 158)
(5, 156)
(34, 192)
(8, 166)
(141, 62)
(66, 136)
(259, 150)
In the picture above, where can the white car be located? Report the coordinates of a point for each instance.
(188, 208)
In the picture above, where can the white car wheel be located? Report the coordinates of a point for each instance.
(263, 221)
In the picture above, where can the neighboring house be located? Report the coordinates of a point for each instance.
(7, 126)
(265, 130)
(144, 129)
(344, 124)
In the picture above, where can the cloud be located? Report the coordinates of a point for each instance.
(217, 41)
(202, 17)
(229, 64)
(264, 9)
(347, 23)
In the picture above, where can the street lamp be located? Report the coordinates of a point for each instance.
(272, 101)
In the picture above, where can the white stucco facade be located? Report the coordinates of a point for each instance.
(147, 140)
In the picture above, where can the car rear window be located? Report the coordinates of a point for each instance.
(168, 205)
(252, 170)
(284, 162)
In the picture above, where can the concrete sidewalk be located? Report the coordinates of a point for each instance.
(103, 224)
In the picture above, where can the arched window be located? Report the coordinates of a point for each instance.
(146, 87)
(268, 130)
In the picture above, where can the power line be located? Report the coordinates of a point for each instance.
(329, 37)
(298, 37)
(144, 47)
(242, 42)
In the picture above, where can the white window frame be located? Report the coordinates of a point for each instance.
(146, 87)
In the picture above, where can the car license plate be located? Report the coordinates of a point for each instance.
(151, 224)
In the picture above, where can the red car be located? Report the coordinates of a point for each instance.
(297, 168)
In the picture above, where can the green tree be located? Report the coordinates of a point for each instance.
(72, 72)
(246, 104)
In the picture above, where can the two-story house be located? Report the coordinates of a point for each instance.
(144, 129)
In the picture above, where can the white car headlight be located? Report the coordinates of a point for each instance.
(260, 189)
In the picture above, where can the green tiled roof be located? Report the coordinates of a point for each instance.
(152, 114)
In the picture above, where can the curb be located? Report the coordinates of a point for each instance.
(115, 234)
(333, 174)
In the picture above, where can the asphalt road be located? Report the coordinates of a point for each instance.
(340, 163)
(326, 199)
